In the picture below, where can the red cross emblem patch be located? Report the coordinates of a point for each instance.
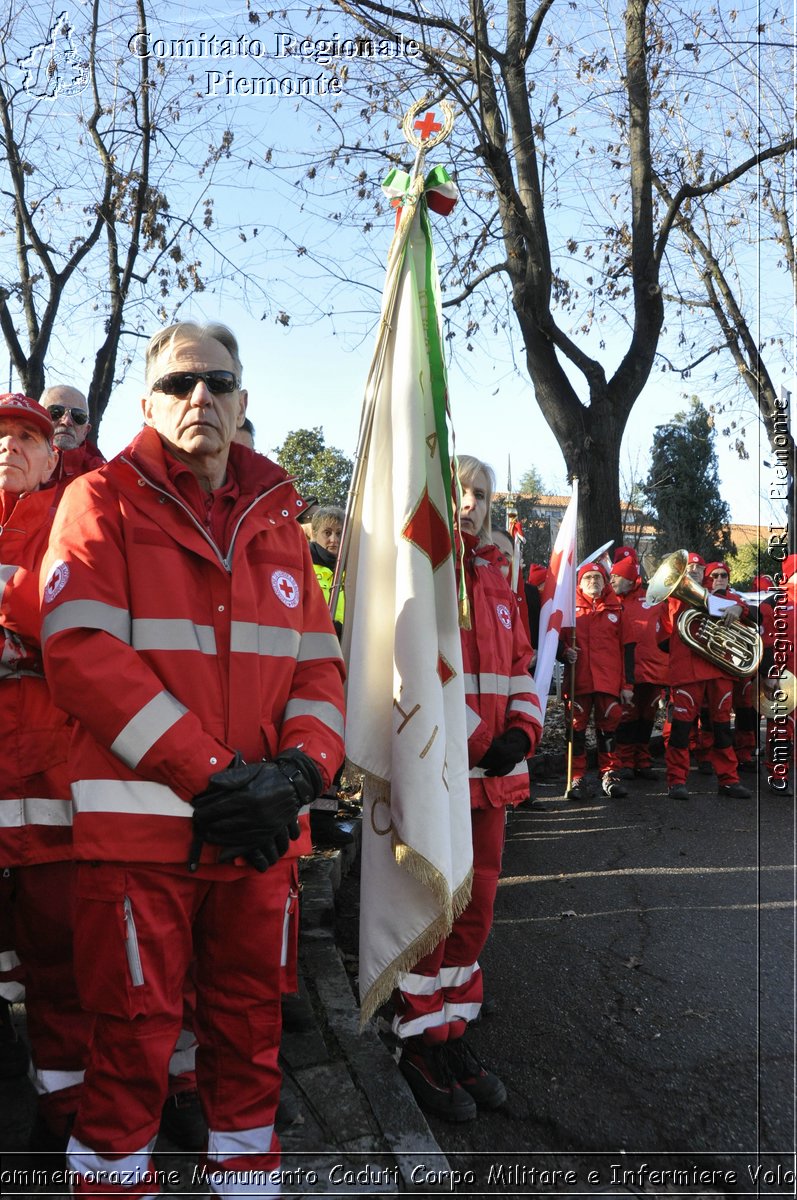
(285, 588)
(56, 580)
(504, 615)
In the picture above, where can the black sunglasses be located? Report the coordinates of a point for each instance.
(56, 411)
(182, 383)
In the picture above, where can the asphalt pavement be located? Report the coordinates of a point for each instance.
(642, 964)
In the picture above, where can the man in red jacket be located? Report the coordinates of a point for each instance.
(693, 681)
(184, 630)
(35, 811)
(603, 679)
(650, 669)
(717, 578)
(68, 410)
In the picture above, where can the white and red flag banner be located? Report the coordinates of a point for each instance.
(558, 609)
(405, 726)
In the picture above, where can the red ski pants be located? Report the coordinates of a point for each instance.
(444, 990)
(137, 929)
(636, 726)
(59, 1029)
(686, 700)
(607, 717)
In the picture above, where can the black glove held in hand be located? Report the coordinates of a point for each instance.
(505, 752)
(251, 808)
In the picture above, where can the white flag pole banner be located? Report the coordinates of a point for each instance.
(405, 726)
(558, 609)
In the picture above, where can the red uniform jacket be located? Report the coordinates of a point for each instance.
(640, 623)
(172, 653)
(685, 665)
(72, 463)
(499, 691)
(35, 806)
(600, 640)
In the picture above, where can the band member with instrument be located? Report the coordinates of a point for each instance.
(706, 648)
(745, 722)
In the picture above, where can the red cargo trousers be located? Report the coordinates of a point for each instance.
(137, 929)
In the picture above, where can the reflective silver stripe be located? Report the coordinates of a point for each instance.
(456, 976)
(468, 1011)
(520, 683)
(230, 1143)
(150, 633)
(472, 720)
(322, 710)
(488, 683)
(34, 810)
(247, 637)
(143, 730)
(85, 1162)
(6, 573)
(137, 797)
(131, 946)
(523, 706)
(46, 1082)
(87, 614)
(405, 1029)
(319, 645)
(427, 985)
(520, 768)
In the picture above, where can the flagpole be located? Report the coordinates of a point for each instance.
(405, 218)
(572, 688)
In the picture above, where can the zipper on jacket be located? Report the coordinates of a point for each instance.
(131, 945)
(290, 904)
(225, 562)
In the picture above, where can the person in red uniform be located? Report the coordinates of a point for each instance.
(604, 679)
(443, 993)
(184, 631)
(717, 578)
(68, 410)
(779, 635)
(694, 680)
(650, 669)
(35, 808)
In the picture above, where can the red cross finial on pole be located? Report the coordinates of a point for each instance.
(427, 126)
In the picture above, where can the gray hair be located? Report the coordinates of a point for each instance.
(184, 331)
(468, 469)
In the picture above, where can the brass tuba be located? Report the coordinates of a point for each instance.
(736, 649)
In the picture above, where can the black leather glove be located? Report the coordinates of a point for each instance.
(505, 752)
(251, 809)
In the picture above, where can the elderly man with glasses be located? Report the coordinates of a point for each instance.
(184, 630)
(68, 410)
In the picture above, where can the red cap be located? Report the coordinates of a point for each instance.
(625, 552)
(715, 566)
(789, 567)
(537, 574)
(591, 568)
(763, 583)
(695, 558)
(17, 407)
(626, 568)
